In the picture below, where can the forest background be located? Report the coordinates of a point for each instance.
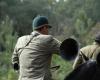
(79, 19)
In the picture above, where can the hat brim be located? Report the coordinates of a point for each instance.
(49, 26)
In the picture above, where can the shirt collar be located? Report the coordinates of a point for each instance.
(35, 33)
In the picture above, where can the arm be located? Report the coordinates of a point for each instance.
(56, 46)
(15, 59)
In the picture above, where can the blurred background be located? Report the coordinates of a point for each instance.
(70, 18)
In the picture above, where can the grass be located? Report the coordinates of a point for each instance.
(64, 70)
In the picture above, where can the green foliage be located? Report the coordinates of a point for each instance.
(8, 39)
(64, 70)
(83, 25)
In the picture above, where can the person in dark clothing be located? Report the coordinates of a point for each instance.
(89, 70)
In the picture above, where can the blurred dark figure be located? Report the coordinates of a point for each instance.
(89, 70)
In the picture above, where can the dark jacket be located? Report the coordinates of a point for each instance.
(86, 71)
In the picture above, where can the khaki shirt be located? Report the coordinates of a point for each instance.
(90, 51)
(35, 58)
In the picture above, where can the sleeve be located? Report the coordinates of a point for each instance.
(20, 43)
(15, 59)
(55, 46)
(15, 56)
(78, 61)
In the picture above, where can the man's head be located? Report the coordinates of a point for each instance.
(40, 23)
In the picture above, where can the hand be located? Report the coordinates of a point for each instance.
(16, 66)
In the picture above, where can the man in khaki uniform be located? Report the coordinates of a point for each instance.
(32, 53)
(88, 52)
